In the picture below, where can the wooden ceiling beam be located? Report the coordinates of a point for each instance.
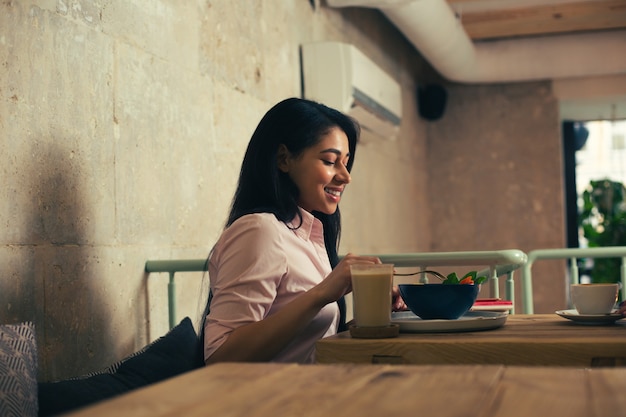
(542, 19)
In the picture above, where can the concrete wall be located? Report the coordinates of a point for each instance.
(496, 169)
(123, 125)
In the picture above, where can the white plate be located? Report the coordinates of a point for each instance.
(471, 321)
(590, 318)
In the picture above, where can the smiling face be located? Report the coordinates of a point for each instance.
(319, 172)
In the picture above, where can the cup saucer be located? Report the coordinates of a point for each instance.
(592, 319)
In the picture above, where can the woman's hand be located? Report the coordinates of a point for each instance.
(397, 303)
(338, 283)
(622, 308)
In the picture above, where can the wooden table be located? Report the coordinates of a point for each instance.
(538, 339)
(273, 390)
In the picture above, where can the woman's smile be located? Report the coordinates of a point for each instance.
(335, 193)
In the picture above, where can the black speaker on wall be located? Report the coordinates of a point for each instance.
(431, 100)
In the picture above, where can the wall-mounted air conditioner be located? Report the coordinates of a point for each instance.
(342, 77)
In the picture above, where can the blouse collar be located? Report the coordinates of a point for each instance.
(311, 227)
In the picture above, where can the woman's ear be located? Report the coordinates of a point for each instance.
(283, 157)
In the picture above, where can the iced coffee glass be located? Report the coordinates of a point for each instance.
(371, 294)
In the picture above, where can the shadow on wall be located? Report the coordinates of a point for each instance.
(71, 321)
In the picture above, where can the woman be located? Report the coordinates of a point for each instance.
(275, 276)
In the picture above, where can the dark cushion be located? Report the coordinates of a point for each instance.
(177, 352)
(18, 370)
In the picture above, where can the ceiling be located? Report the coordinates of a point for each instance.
(578, 44)
(485, 20)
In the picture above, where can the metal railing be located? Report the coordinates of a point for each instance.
(172, 267)
(500, 263)
(572, 254)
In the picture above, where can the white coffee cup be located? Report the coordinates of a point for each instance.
(594, 299)
(371, 294)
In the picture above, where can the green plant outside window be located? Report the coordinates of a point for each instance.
(603, 222)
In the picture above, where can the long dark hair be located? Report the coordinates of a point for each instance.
(297, 124)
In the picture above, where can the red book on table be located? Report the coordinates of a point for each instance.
(492, 304)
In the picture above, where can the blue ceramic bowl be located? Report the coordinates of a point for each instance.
(439, 301)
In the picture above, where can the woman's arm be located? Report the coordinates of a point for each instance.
(264, 339)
